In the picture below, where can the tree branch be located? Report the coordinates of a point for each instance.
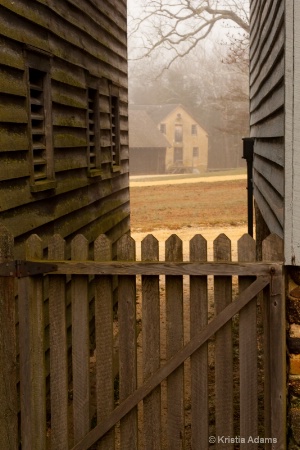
(178, 26)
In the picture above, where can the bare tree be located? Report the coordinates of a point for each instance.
(175, 27)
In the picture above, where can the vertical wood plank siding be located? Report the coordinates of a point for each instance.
(87, 47)
(267, 108)
(292, 136)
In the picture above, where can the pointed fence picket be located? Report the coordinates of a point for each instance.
(64, 415)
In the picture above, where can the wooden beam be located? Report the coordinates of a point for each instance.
(8, 361)
(162, 268)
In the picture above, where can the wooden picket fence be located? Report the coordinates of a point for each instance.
(229, 356)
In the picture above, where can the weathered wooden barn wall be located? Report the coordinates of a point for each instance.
(145, 161)
(63, 168)
(267, 120)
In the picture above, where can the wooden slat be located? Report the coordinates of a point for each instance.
(274, 347)
(12, 82)
(174, 325)
(261, 77)
(68, 138)
(151, 346)
(67, 95)
(271, 127)
(127, 343)
(80, 343)
(95, 48)
(65, 211)
(13, 138)
(260, 92)
(257, 19)
(11, 54)
(272, 149)
(32, 315)
(248, 350)
(8, 378)
(269, 107)
(271, 172)
(272, 32)
(199, 360)
(58, 351)
(267, 213)
(223, 347)
(268, 33)
(68, 117)
(104, 341)
(13, 110)
(65, 75)
(274, 200)
(196, 342)
(163, 268)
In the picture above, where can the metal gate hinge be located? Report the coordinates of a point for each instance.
(21, 268)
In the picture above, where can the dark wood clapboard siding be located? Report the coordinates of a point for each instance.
(79, 206)
(267, 96)
(87, 45)
(78, 34)
(13, 166)
(13, 137)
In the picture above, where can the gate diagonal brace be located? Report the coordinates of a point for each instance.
(21, 268)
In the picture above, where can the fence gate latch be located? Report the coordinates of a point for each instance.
(21, 268)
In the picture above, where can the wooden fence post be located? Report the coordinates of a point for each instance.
(32, 354)
(223, 346)
(127, 343)
(151, 346)
(174, 324)
(199, 360)
(58, 350)
(275, 347)
(248, 349)
(80, 343)
(8, 379)
(104, 341)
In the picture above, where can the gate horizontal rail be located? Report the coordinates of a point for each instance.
(53, 267)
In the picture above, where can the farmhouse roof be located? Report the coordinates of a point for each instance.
(143, 132)
(160, 112)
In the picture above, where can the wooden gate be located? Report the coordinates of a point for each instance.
(218, 381)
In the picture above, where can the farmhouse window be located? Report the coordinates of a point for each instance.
(40, 123)
(178, 133)
(195, 152)
(115, 130)
(194, 130)
(163, 128)
(178, 154)
(94, 147)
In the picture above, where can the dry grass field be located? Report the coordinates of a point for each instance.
(176, 206)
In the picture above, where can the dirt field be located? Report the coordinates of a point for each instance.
(210, 209)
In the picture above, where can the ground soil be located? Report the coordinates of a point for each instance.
(198, 205)
(177, 202)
